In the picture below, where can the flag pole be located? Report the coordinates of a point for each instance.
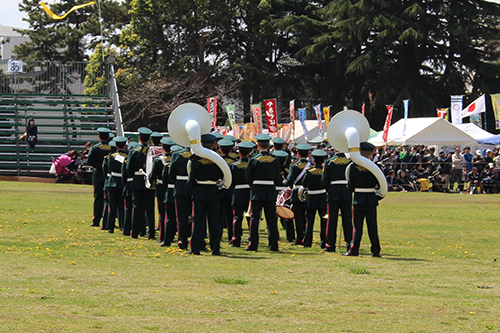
(100, 27)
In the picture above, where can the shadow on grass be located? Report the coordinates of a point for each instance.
(389, 257)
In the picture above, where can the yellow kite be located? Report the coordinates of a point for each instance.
(56, 17)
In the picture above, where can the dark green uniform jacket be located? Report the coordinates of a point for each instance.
(178, 175)
(241, 196)
(334, 171)
(263, 167)
(137, 161)
(295, 171)
(203, 169)
(361, 178)
(114, 167)
(312, 181)
(96, 158)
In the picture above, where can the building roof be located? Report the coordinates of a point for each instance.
(6, 31)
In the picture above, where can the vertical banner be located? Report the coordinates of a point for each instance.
(406, 103)
(387, 124)
(477, 120)
(230, 109)
(257, 117)
(292, 118)
(326, 114)
(271, 115)
(456, 109)
(286, 131)
(212, 109)
(495, 101)
(442, 113)
(302, 118)
(249, 132)
(317, 110)
(363, 109)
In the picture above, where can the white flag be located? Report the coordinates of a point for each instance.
(476, 107)
(456, 109)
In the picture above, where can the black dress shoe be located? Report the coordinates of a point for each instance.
(350, 254)
(95, 225)
(165, 244)
(250, 249)
(377, 255)
(111, 231)
(274, 249)
(194, 252)
(216, 253)
(152, 238)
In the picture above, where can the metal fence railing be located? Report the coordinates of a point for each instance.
(54, 78)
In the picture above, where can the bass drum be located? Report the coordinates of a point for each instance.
(284, 205)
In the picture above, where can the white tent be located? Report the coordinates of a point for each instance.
(424, 131)
(312, 129)
(475, 131)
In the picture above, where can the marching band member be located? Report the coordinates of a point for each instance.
(363, 183)
(262, 172)
(284, 160)
(156, 175)
(142, 196)
(115, 184)
(339, 198)
(226, 209)
(203, 179)
(241, 190)
(294, 180)
(156, 150)
(127, 192)
(178, 175)
(95, 159)
(316, 198)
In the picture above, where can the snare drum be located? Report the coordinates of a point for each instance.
(284, 205)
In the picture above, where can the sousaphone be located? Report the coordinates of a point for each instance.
(186, 124)
(346, 131)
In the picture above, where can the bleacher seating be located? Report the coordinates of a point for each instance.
(65, 122)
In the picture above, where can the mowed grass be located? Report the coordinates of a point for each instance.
(439, 273)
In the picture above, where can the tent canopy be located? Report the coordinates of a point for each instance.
(475, 131)
(424, 131)
(492, 140)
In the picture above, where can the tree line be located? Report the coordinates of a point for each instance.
(338, 53)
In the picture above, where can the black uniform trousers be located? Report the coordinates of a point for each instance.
(345, 208)
(299, 211)
(170, 223)
(310, 217)
(161, 216)
(106, 210)
(127, 221)
(226, 217)
(360, 213)
(239, 211)
(271, 220)
(184, 209)
(115, 204)
(204, 211)
(142, 202)
(98, 202)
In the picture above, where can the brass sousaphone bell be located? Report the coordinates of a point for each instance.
(346, 131)
(186, 124)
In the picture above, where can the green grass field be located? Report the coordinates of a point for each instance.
(439, 273)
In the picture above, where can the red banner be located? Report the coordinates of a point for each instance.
(387, 122)
(271, 115)
(212, 109)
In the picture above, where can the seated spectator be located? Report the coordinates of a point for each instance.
(478, 161)
(419, 172)
(405, 182)
(392, 182)
(439, 183)
(473, 180)
(445, 166)
(488, 178)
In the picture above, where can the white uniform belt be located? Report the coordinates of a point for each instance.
(341, 182)
(263, 182)
(365, 190)
(108, 175)
(241, 186)
(130, 179)
(138, 173)
(170, 186)
(281, 188)
(116, 174)
(206, 182)
(182, 177)
(159, 181)
(313, 192)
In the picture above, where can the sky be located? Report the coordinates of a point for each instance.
(11, 16)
